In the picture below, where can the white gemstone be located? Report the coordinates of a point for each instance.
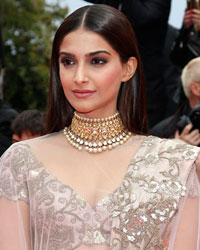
(162, 218)
(109, 142)
(95, 150)
(154, 216)
(100, 144)
(105, 143)
(104, 147)
(34, 173)
(99, 149)
(110, 146)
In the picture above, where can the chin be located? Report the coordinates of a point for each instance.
(83, 110)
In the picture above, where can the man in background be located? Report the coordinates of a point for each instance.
(7, 115)
(167, 128)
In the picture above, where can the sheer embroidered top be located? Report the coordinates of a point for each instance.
(156, 206)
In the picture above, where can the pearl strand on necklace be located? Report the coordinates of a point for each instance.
(96, 135)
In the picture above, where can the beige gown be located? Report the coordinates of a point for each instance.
(152, 201)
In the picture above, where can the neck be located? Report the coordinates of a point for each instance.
(96, 134)
(95, 115)
(94, 118)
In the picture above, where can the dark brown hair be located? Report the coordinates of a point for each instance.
(30, 121)
(115, 28)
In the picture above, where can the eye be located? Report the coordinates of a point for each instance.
(98, 60)
(67, 61)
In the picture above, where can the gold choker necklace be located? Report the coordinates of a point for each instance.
(96, 135)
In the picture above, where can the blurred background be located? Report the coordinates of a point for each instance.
(26, 31)
(175, 18)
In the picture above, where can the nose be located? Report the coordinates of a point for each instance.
(81, 76)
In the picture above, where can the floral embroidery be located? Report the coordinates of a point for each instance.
(146, 201)
(189, 154)
(138, 221)
(93, 235)
(151, 158)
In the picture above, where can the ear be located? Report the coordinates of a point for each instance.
(195, 88)
(129, 69)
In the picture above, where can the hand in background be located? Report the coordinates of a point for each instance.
(192, 16)
(188, 18)
(192, 137)
(196, 17)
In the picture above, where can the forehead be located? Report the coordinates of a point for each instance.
(82, 40)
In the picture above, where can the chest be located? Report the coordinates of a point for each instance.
(93, 176)
(139, 207)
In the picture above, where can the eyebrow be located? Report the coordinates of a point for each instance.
(87, 55)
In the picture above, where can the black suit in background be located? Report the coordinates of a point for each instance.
(167, 127)
(7, 115)
(149, 19)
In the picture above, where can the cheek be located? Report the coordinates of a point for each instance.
(64, 79)
(111, 79)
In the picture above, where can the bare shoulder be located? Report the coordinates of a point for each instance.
(49, 139)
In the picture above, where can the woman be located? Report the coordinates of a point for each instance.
(96, 181)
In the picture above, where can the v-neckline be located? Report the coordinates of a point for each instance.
(97, 204)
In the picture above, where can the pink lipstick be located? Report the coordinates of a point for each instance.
(82, 93)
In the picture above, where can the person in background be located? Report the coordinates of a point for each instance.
(187, 44)
(167, 128)
(149, 18)
(192, 17)
(172, 74)
(7, 115)
(96, 180)
(28, 124)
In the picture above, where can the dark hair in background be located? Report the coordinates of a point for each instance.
(30, 121)
(115, 28)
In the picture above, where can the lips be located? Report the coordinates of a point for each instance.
(83, 92)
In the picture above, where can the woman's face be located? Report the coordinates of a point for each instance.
(91, 73)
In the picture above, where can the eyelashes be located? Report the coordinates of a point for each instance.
(98, 60)
(67, 61)
(94, 61)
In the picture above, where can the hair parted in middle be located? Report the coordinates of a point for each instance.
(114, 27)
